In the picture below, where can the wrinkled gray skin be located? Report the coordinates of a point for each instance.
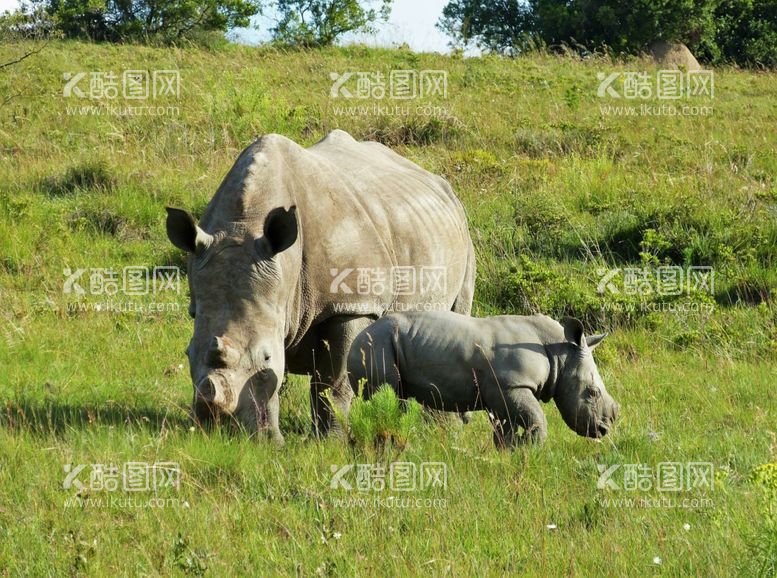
(506, 365)
(283, 222)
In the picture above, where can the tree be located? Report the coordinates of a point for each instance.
(28, 34)
(28, 30)
(311, 23)
(747, 32)
(740, 31)
(133, 20)
(501, 26)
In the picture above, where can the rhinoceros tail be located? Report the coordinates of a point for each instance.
(463, 302)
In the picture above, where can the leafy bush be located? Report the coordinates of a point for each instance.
(740, 31)
(414, 130)
(747, 32)
(566, 139)
(141, 20)
(384, 422)
(622, 26)
(311, 23)
(87, 176)
(763, 543)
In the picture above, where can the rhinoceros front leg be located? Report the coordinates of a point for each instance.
(518, 409)
(333, 343)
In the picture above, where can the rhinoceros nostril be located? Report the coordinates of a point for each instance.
(206, 390)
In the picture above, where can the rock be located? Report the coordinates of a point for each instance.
(673, 55)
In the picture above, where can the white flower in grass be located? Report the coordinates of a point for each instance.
(686, 526)
(657, 560)
(551, 526)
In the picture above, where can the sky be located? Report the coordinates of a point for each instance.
(411, 22)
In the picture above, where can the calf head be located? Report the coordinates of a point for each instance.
(241, 287)
(580, 394)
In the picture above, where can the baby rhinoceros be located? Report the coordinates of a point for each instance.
(505, 365)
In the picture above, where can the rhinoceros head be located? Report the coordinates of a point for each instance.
(580, 394)
(240, 291)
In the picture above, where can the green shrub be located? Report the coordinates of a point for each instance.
(384, 422)
(763, 541)
(87, 176)
(566, 139)
(415, 130)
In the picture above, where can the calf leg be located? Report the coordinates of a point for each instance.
(518, 408)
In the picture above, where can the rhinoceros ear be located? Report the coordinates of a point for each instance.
(593, 340)
(184, 233)
(573, 331)
(280, 231)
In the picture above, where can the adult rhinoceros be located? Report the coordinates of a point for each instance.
(297, 252)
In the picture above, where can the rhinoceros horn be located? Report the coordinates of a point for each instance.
(221, 353)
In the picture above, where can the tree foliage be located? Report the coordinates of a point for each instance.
(133, 20)
(739, 31)
(311, 23)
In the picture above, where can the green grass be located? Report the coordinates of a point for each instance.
(555, 191)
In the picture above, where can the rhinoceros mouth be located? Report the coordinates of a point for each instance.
(245, 420)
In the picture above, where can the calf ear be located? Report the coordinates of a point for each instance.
(594, 340)
(184, 233)
(573, 331)
(280, 231)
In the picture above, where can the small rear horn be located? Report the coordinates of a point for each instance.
(221, 353)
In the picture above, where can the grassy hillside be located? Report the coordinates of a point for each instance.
(558, 191)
